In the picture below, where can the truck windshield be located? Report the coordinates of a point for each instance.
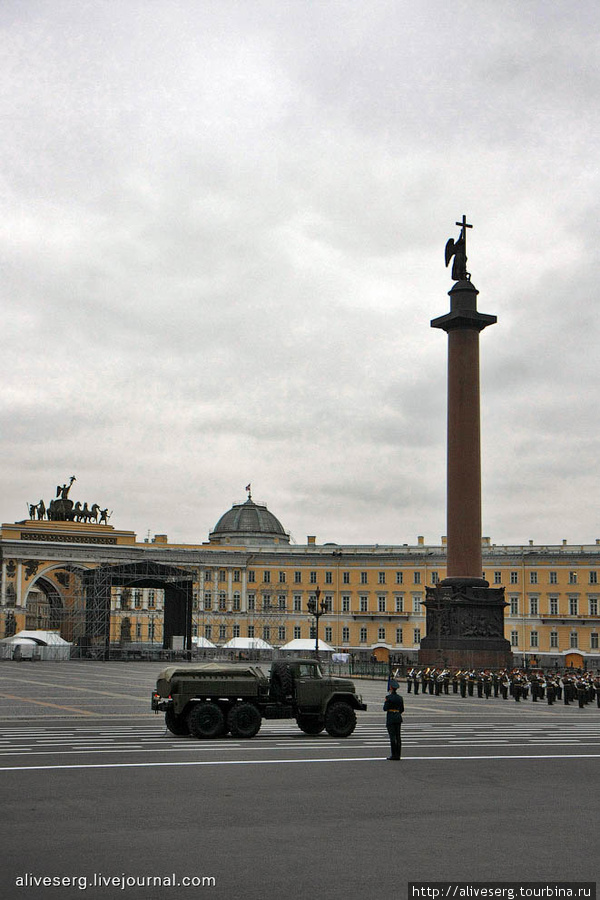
(309, 671)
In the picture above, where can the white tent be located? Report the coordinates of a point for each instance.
(203, 644)
(307, 645)
(249, 643)
(35, 645)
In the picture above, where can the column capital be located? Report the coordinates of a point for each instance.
(463, 310)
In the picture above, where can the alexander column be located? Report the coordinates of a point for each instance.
(465, 617)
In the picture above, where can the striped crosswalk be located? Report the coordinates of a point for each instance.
(81, 739)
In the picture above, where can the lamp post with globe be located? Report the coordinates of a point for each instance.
(316, 607)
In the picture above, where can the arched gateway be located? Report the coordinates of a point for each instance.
(175, 582)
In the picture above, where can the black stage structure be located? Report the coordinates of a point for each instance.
(177, 584)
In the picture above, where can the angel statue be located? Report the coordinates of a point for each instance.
(458, 250)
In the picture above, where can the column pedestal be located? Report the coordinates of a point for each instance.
(465, 626)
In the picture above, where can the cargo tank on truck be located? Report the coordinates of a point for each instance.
(209, 700)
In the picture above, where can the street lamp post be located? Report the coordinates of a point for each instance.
(316, 607)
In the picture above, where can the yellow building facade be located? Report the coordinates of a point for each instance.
(110, 594)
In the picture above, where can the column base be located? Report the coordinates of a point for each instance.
(465, 625)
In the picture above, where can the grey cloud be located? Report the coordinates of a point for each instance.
(223, 243)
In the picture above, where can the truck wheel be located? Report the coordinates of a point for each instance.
(176, 724)
(310, 724)
(206, 720)
(244, 720)
(340, 719)
(282, 682)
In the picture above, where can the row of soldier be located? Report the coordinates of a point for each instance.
(570, 687)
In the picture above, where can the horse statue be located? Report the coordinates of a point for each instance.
(93, 513)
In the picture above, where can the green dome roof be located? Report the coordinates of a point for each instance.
(246, 523)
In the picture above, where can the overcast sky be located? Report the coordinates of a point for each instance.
(223, 228)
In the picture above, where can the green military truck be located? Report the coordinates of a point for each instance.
(210, 700)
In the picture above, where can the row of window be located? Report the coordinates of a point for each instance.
(552, 577)
(266, 601)
(534, 639)
(139, 598)
(397, 577)
(313, 577)
(553, 608)
(222, 631)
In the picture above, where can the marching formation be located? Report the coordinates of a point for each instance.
(570, 686)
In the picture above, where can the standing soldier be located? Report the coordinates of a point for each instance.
(409, 680)
(446, 679)
(480, 683)
(394, 707)
(542, 685)
(557, 686)
(418, 680)
(472, 678)
(455, 682)
(597, 690)
(567, 688)
(425, 681)
(439, 682)
(590, 688)
(496, 682)
(517, 686)
(487, 685)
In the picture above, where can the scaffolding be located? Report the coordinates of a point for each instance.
(97, 609)
(99, 585)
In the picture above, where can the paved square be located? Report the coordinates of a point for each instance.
(94, 786)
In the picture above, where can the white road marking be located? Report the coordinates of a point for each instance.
(278, 762)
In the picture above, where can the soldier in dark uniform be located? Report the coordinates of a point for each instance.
(517, 687)
(487, 685)
(480, 682)
(471, 679)
(455, 682)
(394, 707)
(496, 682)
(446, 680)
(557, 686)
(418, 681)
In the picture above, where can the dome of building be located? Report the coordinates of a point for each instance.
(249, 523)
